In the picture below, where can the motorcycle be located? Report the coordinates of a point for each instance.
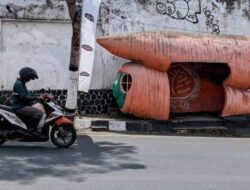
(57, 127)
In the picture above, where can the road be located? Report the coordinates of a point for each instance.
(104, 161)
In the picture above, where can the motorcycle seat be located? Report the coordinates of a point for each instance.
(6, 108)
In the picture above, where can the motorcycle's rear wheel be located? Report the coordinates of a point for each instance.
(63, 136)
(2, 140)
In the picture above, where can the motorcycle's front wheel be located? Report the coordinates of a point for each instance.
(63, 136)
(2, 140)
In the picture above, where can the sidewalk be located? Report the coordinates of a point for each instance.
(179, 124)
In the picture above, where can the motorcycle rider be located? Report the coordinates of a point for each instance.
(23, 100)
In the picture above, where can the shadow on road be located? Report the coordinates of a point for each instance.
(28, 162)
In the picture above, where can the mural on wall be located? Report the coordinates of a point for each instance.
(180, 9)
(187, 10)
(184, 86)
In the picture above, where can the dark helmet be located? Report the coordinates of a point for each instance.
(27, 73)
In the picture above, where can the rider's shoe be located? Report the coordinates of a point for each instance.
(33, 131)
(36, 133)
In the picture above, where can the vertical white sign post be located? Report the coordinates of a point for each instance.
(89, 18)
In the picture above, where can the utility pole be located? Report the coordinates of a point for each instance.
(75, 15)
(86, 26)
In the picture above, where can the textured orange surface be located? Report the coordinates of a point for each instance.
(148, 96)
(237, 101)
(158, 50)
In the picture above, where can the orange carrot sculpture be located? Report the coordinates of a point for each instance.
(228, 56)
(148, 96)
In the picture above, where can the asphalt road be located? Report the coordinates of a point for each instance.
(103, 161)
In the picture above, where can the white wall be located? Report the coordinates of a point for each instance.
(45, 44)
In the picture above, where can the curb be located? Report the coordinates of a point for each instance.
(184, 124)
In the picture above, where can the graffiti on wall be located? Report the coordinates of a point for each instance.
(180, 9)
(34, 10)
(211, 22)
(187, 10)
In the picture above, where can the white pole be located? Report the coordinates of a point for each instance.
(71, 101)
